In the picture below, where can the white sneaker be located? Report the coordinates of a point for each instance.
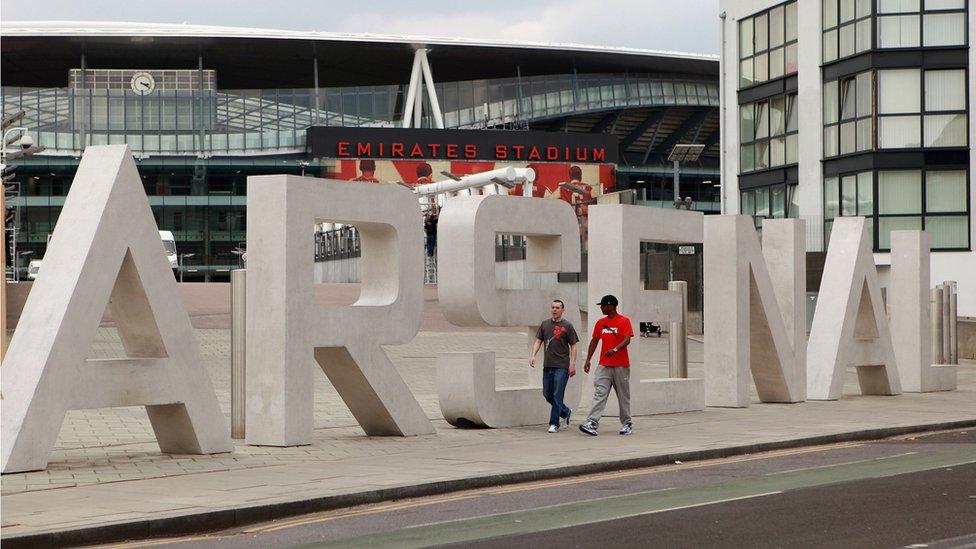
(553, 429)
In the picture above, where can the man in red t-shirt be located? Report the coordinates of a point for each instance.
(613, 369)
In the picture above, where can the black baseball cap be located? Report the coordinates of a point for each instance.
(609, 300)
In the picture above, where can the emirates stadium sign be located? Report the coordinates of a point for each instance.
(434, 144)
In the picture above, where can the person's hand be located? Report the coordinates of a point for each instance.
(610, 353)
(572, 370)
(586, 367)
(532, 361)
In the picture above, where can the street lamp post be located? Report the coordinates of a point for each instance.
(182, 264)
(683, 152)
(16, 269)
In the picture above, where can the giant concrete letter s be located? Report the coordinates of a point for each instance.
(755, 310)
(106, 250)
(850, 327)
(469, 297)
(616, 231)
(287, 332)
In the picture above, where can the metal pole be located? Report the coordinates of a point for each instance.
(946, 354)
(238, 304)
(677, 168)
(3, 283)
(953, 323)
(315, 78)
(935, 312)
(408, 103)
(435, 105)
(678, 341)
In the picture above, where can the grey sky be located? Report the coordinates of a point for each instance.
(682, 25)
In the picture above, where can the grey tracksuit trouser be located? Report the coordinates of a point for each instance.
(604, 378)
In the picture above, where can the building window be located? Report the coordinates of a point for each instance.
(934, 200)
(847, 28)
(922, 109)
(848, 111)
(772, 202)
(848, 195)
(914, 109)
(768, 133)
(767, 45)
(945, 122)
(899, 108)
(928, 23)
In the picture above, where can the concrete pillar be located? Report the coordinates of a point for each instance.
(238, 327)
(946, 294)
(935, 312)
(678, 334)
(953, 324)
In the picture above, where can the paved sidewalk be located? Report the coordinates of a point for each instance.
(108, 477)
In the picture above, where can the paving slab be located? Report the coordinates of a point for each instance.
(107, 479)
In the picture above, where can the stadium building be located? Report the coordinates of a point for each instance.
(202, 108)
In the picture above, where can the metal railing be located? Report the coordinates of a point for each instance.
(335, 244)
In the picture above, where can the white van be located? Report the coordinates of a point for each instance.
(169, 244)
(33, 268)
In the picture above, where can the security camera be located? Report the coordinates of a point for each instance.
(26, 141)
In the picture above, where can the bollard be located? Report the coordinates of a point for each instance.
(935, 313)
(238, 304)
(677, 334)
(953, 324)
(946, 290)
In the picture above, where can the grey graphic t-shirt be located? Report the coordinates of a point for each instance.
(557, 337)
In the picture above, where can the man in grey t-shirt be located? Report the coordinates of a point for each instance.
(559, 338)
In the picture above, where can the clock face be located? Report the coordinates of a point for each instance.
(142, 83)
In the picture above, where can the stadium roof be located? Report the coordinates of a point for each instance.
(41, 53)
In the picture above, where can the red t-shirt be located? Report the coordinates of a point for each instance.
(611, 332)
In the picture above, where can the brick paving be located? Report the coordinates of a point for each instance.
(107, 468)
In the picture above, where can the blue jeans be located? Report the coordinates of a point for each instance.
(554, 382)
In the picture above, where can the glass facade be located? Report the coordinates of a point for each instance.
(195, 145)
(912, 109)
(767, 45)
(848, 114)
(203, 202)
(770, 202)
(214, 122)
(899, 24)
(929, 199)
(768, 133)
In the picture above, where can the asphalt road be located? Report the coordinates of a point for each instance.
(894, 493)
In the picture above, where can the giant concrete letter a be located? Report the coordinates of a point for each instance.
(850, 327)
(287, 333)
(106, 250)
